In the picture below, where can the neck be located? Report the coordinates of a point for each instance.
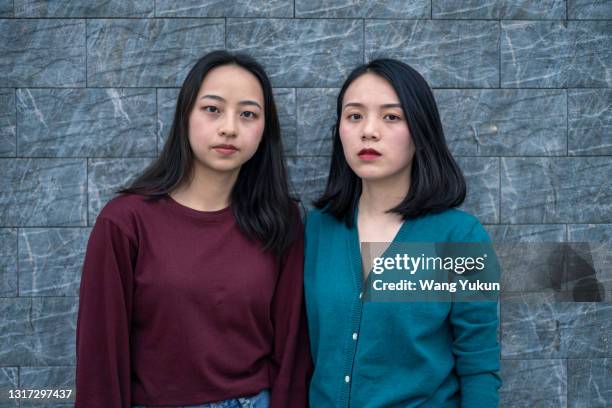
(379, 196)
(206, 190)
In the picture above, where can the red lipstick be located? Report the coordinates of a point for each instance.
(369, 154)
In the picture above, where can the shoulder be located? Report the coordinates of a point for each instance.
(125, 212)
(457, 225)
(317, 219)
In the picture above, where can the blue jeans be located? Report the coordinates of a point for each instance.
(261, 400)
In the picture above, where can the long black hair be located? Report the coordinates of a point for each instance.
(260, 197)
(436, 180)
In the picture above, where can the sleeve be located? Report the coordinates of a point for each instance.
(102, 338)
(475, 345)
(292, 364)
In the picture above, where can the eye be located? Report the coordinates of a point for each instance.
(391, 117)
(210, 109)
(249, 114)
(354, 116)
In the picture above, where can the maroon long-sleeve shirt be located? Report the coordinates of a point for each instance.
(178, 307)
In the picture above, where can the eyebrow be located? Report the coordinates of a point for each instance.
(360, 105)
(245, 102)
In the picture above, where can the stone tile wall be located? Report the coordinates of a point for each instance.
(87, 91)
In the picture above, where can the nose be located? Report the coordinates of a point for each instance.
(227, 128)
(370, 130)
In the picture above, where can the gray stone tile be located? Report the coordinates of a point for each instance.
(363, 9)
(461, 54)
(8, 262)
(597, 240)
(529, 258)
(8, 123)
(6, 8)
(300, 52)
(589, 383)
(48, 378)
(123, 52)
(86, 122)
(9, 380)
(482, 178)
(220, 8)
(43, 192)
(316, 118)
(42, 53)
(166, 106)
(590, 121)
(533, 383)
(106, 176)
(38, 331)
(547, 326)
(90, 8)
(286, 108)
(556, 190)
(553, 54)
(589, 9)
(494, 122)
(308, 177)
(499, 9)
(526, 233)
(50, 260)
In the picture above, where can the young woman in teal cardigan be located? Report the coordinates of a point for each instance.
(392, 179)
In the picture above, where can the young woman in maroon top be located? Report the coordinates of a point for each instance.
(191, 290)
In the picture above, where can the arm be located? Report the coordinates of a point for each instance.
(292, 365)
(102, 343)
(475, 345)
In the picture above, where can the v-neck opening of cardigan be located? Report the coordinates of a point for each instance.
(354, 238)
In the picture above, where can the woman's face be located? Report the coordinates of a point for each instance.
(373, 130)
(227, 120)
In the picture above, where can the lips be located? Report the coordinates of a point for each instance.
(225, 149)
(369, 154)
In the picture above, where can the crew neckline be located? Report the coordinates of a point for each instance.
(216, 215)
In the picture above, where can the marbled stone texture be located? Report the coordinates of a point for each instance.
(122, 52)
(42, 53)
(462, 54)
(482, 179)
(289, 49)
(8, 262)
(89, 8)
(86, 122)
(589, 9)
(308, 176)
(316, 119)
(38, 331)
(552, 54)
(8, 123)
(504, 122)
(499, 9)
(590, 121)
(106, 177)
(520, 390)
(50, 260)
(556, 190)
(589, 382)
(220, 8)
(43, 192)
(55, 378)
(414, 9)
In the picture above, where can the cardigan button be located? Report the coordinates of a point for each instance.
(347, 379)
(360, 295)
(354, 336)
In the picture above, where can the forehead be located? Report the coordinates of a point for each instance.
(370, 89)
(232, 82)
